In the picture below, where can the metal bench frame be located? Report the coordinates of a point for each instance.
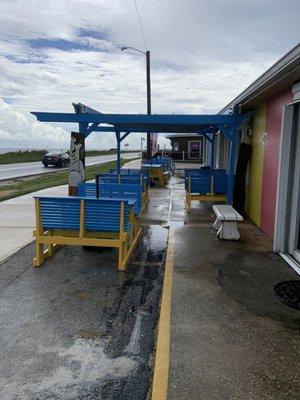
(124, 241)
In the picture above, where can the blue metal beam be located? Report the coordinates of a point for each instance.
(91, 128)
(212, 157)
(226, 130)
(118, 152)
(124, 136)
(206, 135)
(232, 156)
(140, 130)
(123, 119)
(85, 109)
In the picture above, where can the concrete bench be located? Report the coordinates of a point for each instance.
(226, 222)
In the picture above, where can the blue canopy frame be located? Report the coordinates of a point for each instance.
(90, 120)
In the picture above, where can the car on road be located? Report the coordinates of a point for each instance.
(60, 160)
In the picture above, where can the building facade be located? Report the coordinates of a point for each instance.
(189, 147)
(272, 103)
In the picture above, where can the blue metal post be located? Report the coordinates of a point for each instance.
(212, 155)
(231, 164)
(118, 152)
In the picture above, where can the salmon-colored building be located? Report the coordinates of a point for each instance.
(273, 131)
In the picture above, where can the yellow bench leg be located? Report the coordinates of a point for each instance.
(121, 266)
(39, 254)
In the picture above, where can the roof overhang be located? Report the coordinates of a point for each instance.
(162, 123)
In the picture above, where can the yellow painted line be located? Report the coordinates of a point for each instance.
(161, 367)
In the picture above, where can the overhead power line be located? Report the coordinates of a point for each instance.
(141, 25)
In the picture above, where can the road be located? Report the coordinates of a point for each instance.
(9, 171)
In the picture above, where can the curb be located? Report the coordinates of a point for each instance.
(162, 357)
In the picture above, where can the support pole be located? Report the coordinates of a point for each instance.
(212, 155)
(118, 136)
(148, 101)
(231, 164)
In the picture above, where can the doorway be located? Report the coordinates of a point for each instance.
(195, 149)
(294, 223)
(287, 233)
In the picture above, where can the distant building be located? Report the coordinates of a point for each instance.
(189, 147)
(273, 131)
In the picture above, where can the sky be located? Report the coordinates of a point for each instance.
(203, 54)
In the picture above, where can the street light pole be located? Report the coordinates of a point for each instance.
(147, 54)
(142, 139)
(149, 145)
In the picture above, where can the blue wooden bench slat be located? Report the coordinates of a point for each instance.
(165, 162)
(127, 171)
(203, 184)
(130, 192)
(85, 221)
(126, 179)
(203, 172)
(101, 214)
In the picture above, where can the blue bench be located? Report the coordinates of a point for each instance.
(166, 162)
(133, 179)
(85, 222)
(120, 191)
(136, 179)
(207, 186)
(128, 171)
(203, 172)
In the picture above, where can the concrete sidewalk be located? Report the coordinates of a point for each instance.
(231, 338)
(17, 220)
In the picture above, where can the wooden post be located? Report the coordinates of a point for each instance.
(212, 185)
(39, 247)
(121, 237)
(82, 219)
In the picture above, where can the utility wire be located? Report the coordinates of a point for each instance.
(141, 26)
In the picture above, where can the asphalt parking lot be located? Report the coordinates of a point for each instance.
(76, 328)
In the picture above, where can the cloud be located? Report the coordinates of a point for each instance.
(16, 128)
(203, 54)
(24, 131)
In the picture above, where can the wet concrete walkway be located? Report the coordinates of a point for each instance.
(76, 328)
(231, 339)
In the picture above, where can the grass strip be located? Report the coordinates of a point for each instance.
(20, 186)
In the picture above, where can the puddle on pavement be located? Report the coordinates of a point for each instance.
(144, 309)
(80, 295)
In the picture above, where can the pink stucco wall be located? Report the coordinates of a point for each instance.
(271, 158)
